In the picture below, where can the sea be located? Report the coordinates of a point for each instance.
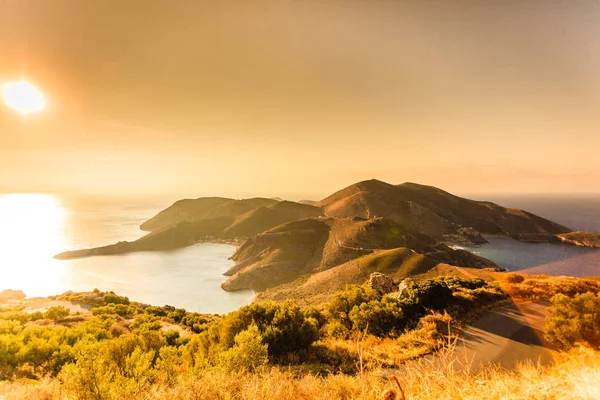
(35, 227)
(575, 212)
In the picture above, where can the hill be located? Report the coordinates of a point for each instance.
(581, 238)
(263, 218)
(438, 213)
(346, 249)
(203, 208)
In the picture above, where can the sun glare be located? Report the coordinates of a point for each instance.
(30, 234)
(23, 97)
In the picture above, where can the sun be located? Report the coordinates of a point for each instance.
(23, 97)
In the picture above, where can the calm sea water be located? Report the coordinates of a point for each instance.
(33, 228)
(578, 213)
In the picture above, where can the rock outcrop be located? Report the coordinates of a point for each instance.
(404, 286)
(381, 282)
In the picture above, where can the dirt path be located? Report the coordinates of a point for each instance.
(43, 304)
(505, 337)
(465, 273)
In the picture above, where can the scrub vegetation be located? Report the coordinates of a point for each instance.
(122, 349)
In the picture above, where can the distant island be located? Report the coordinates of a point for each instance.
(370, 226)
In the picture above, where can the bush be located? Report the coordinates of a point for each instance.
(361, 308)
(177, 315)
(284, 327)
(146, 322)
(112, 298)
(341, 305)
(156, 311)
(515, 278)
(248, 353)
(126, 311)
(379, 317)
(434, 294)
(574, 319)
(56, 313)
(197, 322)
(36, 315)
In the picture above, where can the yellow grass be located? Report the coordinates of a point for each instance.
(574, 375)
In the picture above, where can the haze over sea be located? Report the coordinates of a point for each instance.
(34, 227)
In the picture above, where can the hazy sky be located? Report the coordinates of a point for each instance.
(300, 98)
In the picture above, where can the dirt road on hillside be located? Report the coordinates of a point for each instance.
(505, 337)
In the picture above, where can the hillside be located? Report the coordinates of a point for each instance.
(203, 208)
(319, 288)
(334, 247)
(443, 338)
(263, 218)
(438, 213)
(581, 238)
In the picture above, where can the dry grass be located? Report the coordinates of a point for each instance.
(543, 287)
(575, 375)
(433, 332)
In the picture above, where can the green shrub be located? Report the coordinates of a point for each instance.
(146, 322)
(35, 316)
(341, 305)
(9, 326)
(379, 317)
(112, 298)
(172, 337)
(156, 311)
(248, 352)
(56, 313)
(177, 314)
(360, 308)
(126, 311)
(284, 327)
(197, 322)
(514, 278)
(574, 319)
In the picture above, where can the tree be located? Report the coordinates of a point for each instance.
(341, 305)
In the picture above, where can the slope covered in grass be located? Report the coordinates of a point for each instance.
(327, 247)
(438, 213)
(189, 210)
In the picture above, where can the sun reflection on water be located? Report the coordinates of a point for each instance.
(31, 232)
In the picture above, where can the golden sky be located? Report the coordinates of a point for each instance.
(300, 98)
